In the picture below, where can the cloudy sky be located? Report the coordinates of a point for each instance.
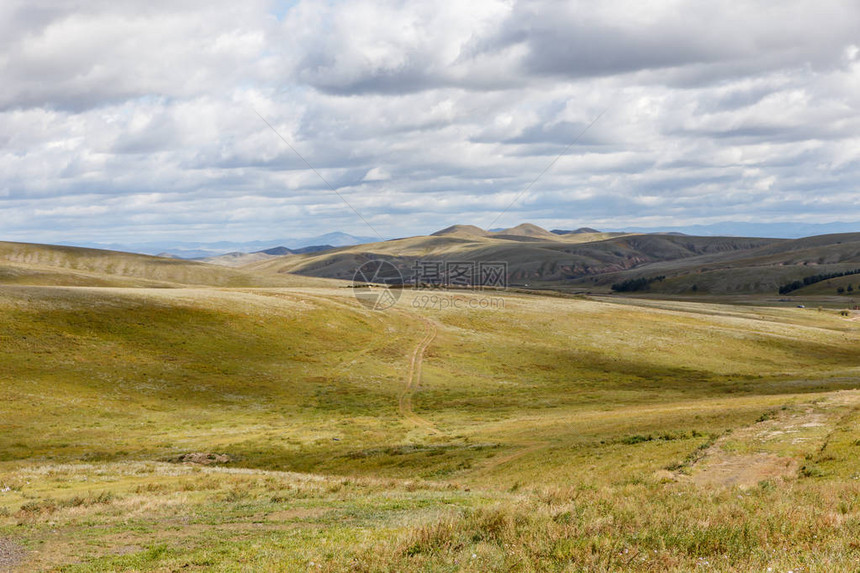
(130, 121)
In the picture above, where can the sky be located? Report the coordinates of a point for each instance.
(124, 122)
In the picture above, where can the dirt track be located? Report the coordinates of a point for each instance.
(809, 425)
(413, 379)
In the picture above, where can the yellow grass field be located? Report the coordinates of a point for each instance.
(291, 429)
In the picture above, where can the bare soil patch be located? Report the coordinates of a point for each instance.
(794, 432)
(744, 470)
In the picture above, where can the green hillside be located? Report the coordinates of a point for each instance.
(291, 428)
(541, 430)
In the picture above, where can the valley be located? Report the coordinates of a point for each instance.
(250, 419)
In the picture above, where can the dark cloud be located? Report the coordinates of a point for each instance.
(707, 41)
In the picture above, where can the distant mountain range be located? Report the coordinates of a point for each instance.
(577, 231)
(238, 258)
(200, 250)
(207, 250)
(730, 229)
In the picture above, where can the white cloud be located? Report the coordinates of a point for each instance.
(377, 174)
(118, 121)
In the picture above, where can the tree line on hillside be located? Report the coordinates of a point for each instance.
(631, 285)
(812, 279)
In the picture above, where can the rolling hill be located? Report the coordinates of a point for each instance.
(533, 255)
(32, 264)
(292, 429)
(759, 270)
(579, 261)
(592, 261)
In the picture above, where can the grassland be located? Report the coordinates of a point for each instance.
(587, 263)
(43, 265)
(264, 429)
(537, 257)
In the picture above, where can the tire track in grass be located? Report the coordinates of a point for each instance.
(527, 448)
(413, 378)
(413, 374)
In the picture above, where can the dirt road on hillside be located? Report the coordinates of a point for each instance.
(413, 378)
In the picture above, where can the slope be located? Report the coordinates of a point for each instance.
(572, 433)
(32, 264)
(530, 259)
(757, 270)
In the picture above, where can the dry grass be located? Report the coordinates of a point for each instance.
(573, 434)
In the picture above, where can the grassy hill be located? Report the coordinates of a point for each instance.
(846, 288)
(534, 256)
(593, 262)
(31, 264)
(256, 419)
(291, 428)
(574, 262)
(749, 271)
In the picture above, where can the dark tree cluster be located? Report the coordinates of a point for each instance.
(631, 285)
(812, 279)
